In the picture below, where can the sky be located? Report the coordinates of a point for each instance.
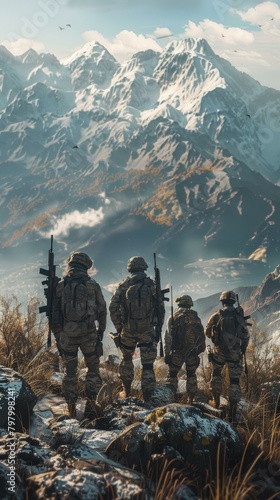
(245, 32)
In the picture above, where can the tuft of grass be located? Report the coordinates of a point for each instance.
(71, 435)
(168, 478)
(23, 339)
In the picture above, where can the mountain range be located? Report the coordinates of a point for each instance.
(175, 152)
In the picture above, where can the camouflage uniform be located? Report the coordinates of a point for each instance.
(228, 349)
(86, 339)
(129, 340)
(183, 345)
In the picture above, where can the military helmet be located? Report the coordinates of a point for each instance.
(136, 264)
(184, 301)
(80, 259)
(228, 296)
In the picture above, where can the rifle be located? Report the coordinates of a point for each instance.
(171, 332)
(246, 372)
(51, 283)
(245, 323)
(172, 310)
(172, 321)
(159, 299)
(240, 310)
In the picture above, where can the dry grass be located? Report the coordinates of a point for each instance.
(260, 431)
(170, 478)
(23, 339)
(230, 485)
(261, 437)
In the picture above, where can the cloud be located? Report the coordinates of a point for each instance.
(21, 45)
(217, 33)
(124, 44)
(262, 14)
(249, 57)
(162, 32)
(76, 220)
(247, 51)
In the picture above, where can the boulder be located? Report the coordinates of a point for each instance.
(195, 434)
(90, 480)
(17, 401)
(10, 483)
(32, 455)
(125, 412)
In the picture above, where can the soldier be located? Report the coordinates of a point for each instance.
(227, 330)
(132, 310)
(79, 306)
(184, 341)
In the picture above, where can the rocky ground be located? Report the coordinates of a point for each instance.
(159, 449)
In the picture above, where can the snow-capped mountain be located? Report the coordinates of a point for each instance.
(176, 152)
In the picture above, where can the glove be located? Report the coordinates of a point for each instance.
(167, 359)
(100, 335)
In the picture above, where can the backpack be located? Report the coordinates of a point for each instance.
(188, 331)
(229, 328)
(78, 305)
(138, 305)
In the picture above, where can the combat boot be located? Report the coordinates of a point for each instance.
(71, 403)
(190, 399)
(215, 402)
(91, 410)
(125, 391)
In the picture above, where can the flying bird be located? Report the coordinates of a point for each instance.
(61, 28)
(272, 19)
(249, 116)
(223, 35)
(75, 147)
(164, 36)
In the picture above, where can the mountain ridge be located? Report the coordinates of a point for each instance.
(97, 151)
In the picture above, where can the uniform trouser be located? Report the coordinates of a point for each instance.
(234, 364)
(148, 353)
(192, 362)
(70, 346)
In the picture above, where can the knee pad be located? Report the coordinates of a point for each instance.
(128, 347)
(89, 354)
